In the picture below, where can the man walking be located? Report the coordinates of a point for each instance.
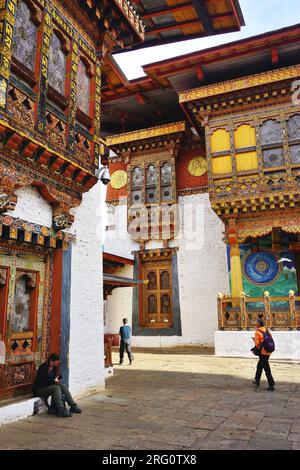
(265, 345)
(125, 342)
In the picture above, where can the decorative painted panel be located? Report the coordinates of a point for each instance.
(151, 276)
(24, 36)
(136, 177)
(166, 173)
(19, 374)
(151, 175)
(271, 132)
(57, 65)
(294, 127)
(21, 305)
(273, 157)
(83, 88)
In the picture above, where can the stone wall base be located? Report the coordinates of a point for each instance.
(239, 343)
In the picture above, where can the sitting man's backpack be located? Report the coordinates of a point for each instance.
(268, 343)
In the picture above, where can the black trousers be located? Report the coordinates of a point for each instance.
(125, 345)
(263, 364)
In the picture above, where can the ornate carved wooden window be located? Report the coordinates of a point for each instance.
(83, 88)
(272, 144)
(24, 36)
(294, 138)
(57, 65)
(157, 298)
(152, 183)
(136, 185)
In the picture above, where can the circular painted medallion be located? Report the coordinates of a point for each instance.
(261, 268)
(118, 179)
(197, 166)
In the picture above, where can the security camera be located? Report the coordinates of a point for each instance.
(103, 174)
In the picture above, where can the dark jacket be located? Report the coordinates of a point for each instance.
(43, 377)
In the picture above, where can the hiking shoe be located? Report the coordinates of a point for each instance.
(63, 413)
(256, 383)
(271, 388)
(75, 409)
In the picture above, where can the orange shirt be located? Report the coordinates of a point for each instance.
(259, 339)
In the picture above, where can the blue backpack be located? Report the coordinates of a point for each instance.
(268, 344)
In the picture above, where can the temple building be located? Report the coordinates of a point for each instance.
(53, 55)
(204, 195)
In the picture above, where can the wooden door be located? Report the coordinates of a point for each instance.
(157, 299)
(22, 320)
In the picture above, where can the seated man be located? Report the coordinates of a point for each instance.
(48, 383)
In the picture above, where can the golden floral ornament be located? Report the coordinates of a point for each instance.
(118, 179)
(197, 166)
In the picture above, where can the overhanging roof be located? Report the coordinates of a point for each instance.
(177, 20)
(120, 281)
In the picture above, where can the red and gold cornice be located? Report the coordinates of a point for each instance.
(240, 84)
(147, 138)
(34, 150)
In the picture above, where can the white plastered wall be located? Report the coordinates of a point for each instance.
(202, 273)
(86, 351)
(86, 355)
(32, 207)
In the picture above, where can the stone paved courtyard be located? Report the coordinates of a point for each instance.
(181, 400)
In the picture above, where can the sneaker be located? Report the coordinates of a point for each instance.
(271, 388)
(63, 413)
(75, 409)
(257, 384)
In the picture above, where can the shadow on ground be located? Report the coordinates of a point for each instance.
(159, 405)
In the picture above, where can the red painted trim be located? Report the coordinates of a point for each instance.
(284, 36)
(235, 13)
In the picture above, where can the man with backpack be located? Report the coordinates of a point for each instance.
(264, 346)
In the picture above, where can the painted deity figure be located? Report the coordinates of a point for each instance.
(21, 307)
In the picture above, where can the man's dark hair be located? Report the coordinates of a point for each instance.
(53, 357)
(260, 322)
(125, 320)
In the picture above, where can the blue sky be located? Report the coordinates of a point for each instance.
(260, 16)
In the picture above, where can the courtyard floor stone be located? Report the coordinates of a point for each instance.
(175, 399)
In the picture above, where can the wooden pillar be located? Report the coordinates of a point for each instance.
(236, 271)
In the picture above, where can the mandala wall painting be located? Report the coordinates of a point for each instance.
(261, 268)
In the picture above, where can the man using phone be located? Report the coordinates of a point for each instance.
(48, 384)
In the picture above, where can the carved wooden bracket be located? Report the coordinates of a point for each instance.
(62, 219)
(8, 200)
